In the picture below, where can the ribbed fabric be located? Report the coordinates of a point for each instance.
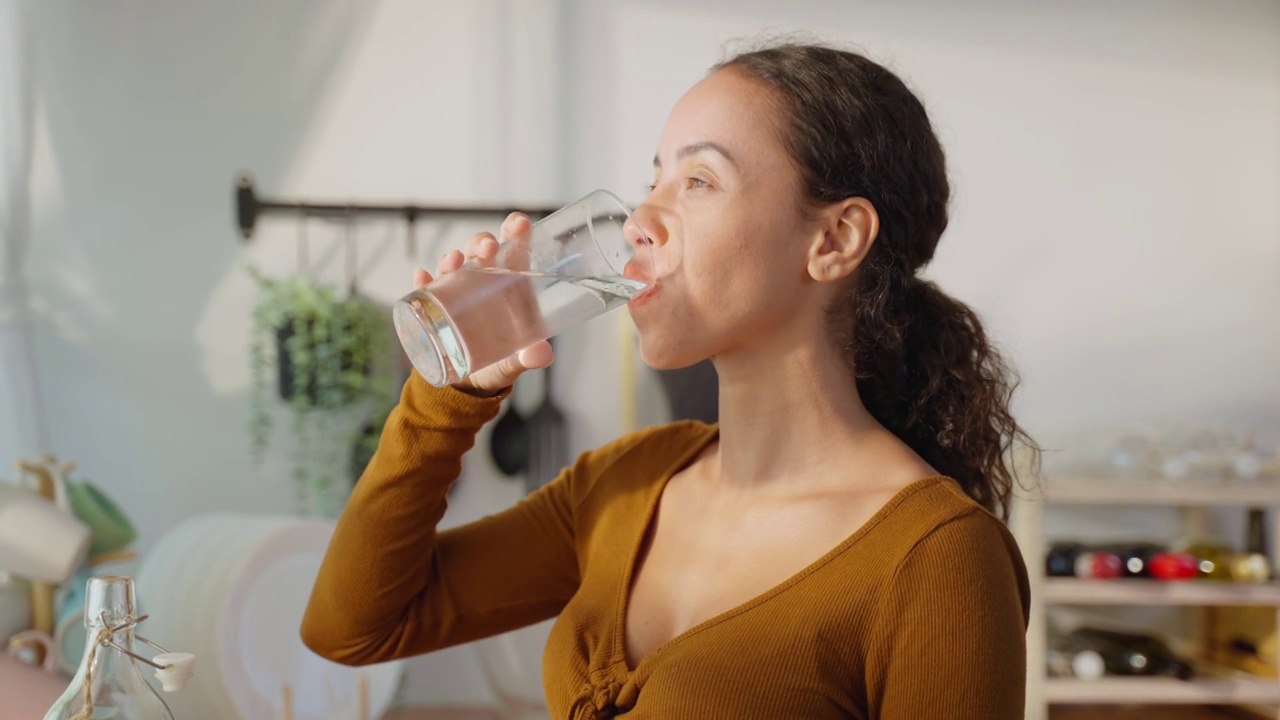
(919, 615)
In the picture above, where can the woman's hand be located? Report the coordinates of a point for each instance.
(483, 250)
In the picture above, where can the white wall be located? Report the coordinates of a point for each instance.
(1116, 169)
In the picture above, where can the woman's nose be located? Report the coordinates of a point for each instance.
(645, 227)
(645, 235)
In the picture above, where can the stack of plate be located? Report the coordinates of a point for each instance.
(232, 590)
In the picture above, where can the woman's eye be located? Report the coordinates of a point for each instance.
(690, 183)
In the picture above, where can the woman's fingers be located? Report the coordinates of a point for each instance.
(502, 374)
(515, 234)
(483, 250)
(451, 261)
(516, 226)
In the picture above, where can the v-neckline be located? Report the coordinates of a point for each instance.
(628, 576)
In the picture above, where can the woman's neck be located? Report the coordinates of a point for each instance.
(787, 412)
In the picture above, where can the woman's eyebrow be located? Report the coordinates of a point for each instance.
(703, 146)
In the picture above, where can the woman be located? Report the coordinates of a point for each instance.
(832, 548)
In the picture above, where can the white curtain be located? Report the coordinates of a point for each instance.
(23, 426)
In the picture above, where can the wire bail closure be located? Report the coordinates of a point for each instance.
(173, 669)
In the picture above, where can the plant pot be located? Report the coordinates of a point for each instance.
(285, 366)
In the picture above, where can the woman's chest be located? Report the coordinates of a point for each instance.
(701, 559)
(795, 650)
(794, 659)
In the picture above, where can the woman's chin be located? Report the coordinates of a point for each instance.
(668, 358)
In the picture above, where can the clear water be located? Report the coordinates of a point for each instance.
(475, 317)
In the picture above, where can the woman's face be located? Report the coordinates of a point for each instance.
(730, 247)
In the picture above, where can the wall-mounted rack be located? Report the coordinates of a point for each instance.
(250, 207)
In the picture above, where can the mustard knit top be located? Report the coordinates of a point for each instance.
(919, 615)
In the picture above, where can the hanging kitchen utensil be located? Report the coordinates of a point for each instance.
(350, 253)
(411, 235)
(509, 442)
(548, 438)
(304, 249)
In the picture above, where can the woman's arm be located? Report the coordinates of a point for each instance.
(950, 641)
(391, 586)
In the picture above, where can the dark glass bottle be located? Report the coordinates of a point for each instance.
(1128, 653)
(1061, 559)
(1135, 557)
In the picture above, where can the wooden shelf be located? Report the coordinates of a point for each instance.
(1065, 491)
(1143, 712)
(1134, 591)
(1162, 691)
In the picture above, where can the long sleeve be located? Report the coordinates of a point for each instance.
(391, 586)
(950, 639)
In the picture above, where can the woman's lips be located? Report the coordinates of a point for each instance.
(644, 295)
(633, 271)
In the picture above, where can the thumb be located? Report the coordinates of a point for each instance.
(503, 374)
(537, 355)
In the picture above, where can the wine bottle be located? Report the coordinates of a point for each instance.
(1061, 559)
(1067, 657)
(1135, 557)
(1254, 564)
(1173, 566)
(1098, 565)
(1213, 559)
(1125, 654)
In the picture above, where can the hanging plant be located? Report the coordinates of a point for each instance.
(328, 357)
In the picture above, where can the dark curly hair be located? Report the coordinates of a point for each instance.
(925, 367)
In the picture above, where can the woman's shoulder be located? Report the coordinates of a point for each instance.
(937, 501)
(940, 530)
(932, 522)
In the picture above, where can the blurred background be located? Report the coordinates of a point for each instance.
(1115, 221)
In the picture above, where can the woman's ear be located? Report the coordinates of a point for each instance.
(849, 227)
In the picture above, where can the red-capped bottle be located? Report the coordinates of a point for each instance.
(1174, 566)
(1099, 565)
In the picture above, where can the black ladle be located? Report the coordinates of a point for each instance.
(509, 443)
(548, 439)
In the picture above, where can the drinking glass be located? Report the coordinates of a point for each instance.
(575, 264)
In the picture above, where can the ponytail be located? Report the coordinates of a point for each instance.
(927, 371)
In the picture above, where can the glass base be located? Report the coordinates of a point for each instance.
(429, 339)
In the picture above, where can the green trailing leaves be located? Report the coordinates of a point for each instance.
(329, 358)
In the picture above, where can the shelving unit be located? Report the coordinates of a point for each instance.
(1163, 691)
(1027, 523)
(1070, 591)
(1189, 494)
